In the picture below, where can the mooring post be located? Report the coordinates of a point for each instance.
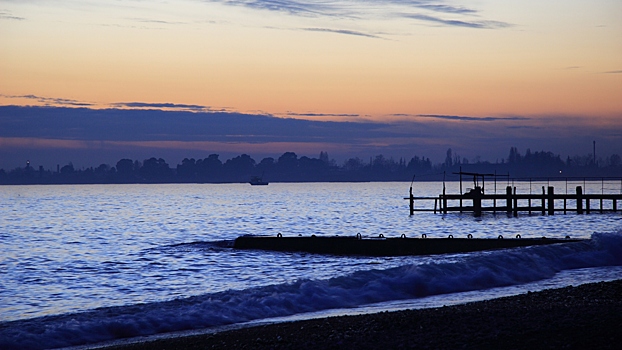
(587, 205)
(461, 193)
(477, 201)
(412, 202)
(508, 199)
(551, 200)
(444, 201)
(515, 203)
(579, 200)
(615, 205)
(543, 201)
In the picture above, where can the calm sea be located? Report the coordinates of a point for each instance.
(91, 263)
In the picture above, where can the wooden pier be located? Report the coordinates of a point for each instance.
(548, 202)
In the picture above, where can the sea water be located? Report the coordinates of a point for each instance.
(82, 264)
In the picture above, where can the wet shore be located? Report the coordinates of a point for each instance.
(583, 317)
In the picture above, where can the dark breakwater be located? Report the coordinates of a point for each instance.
(381, 246)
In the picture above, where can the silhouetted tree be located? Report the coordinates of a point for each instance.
(353, 164)
(239, 168)
(67, 169)
(324, 157)
(103, 169)
(266, 162)
(514, 156)
(125, 167)
(614, 160)
(187, 170)
(289, 161)
(448, 159)
(155, 169)
(266, 165)
(209, 168)
(419, 165)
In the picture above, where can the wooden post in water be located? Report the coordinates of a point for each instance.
(444, 201)
(587, 205)
(461, 193)
(551, 200)
(543, 201)
(615, 205)
(579, 200)
(508, 199)
(515, 203)
(412, 202)
(477, 201)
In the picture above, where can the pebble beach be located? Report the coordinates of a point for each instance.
(588, 316)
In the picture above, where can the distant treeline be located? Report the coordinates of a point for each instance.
(291, 168)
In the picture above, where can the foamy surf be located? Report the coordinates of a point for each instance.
(474, 272)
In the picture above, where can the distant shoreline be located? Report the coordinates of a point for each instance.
(587, 316)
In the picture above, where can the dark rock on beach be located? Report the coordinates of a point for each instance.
(584, 317)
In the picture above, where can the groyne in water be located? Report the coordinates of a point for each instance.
(381, 246)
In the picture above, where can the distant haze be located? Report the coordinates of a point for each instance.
(48, 136)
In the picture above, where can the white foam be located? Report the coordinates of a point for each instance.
(479, 272)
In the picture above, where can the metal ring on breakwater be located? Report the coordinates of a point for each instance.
(469, 236)
(279, 235)
(450, 236)
(518, 236)
(567, 237)
(381, 236)
(500, 237)
(403, 235)
(424, 236)
(358, 236)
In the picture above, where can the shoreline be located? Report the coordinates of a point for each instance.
(586, 316)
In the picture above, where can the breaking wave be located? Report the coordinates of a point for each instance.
(477, 272)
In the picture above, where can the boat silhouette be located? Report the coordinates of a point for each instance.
(257, 181)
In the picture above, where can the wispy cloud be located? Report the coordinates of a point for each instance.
(458, 23)
(301, 8)
(50, 100)
(528, 127)
(468, 118)
(158, 105)
(342, 31)
(9, 16)
(614, 72)
(321, 115)
(445, 8)
(154, 21)
(373, 9)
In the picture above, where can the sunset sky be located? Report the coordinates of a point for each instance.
(541, 74)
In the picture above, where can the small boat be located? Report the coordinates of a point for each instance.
(257, 181)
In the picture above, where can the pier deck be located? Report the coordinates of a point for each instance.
(547, 202)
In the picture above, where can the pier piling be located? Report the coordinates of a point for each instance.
(551, 200)
(579, 200)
